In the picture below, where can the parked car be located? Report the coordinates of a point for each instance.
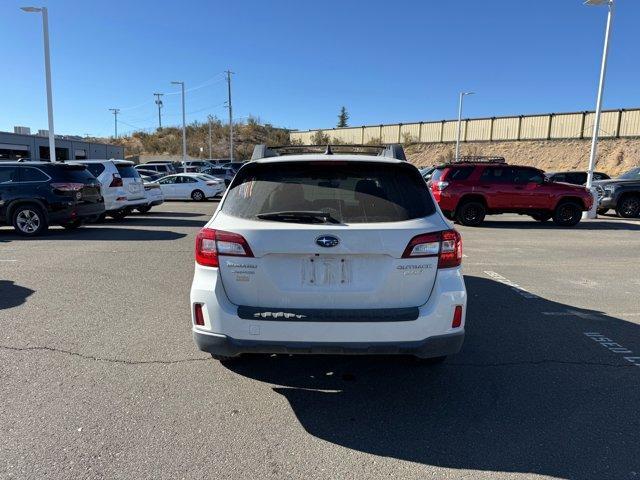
(468, 191)
(621, 193)
(196, 165)
(153, 194)
(575, 178)
(186, 186)
(34, 195)
(426, 173)
(164, 168)
(235, 166)
(151, 175)
(121, 185)
(226, 174)
(317, 253)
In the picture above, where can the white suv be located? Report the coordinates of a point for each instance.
(328, 253)
(120, 185)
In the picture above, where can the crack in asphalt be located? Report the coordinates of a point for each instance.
(202, 359)
(104, 359)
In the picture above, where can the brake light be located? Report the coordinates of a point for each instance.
(210, 244)
(117, 180)
(446, 245)
(198, 316)
(67, 186)
(457, 317)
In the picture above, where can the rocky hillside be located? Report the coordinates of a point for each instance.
(614, 155)
(168, 141)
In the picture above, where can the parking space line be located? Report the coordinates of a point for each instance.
(514, 286)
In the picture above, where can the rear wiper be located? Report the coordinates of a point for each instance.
(289, 216)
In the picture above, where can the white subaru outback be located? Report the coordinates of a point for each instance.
(328, 254)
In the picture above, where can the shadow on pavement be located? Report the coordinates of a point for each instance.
(608, 224)
(95, 232)
(155, 221)
(12, 295)
(529, 393)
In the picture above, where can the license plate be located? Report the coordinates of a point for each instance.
(325, 271)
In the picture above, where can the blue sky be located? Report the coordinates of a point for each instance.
(297, 62)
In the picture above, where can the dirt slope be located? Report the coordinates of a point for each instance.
(614, 156)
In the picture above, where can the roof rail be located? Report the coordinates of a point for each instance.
(392, 151)
(479, 159)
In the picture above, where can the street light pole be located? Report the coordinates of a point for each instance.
(462, 95)
(184, 129)
(47, 69)
(596, 125)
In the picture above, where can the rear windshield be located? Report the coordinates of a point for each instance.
(350, 192)
(71, 173)
(127, 171)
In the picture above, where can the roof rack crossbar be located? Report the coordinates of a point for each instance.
(392, 151)
(479, 159)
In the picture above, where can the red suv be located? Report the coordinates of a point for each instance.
(468, 190)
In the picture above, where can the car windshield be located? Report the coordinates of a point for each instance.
(303, 192)
(633, 174)
(127, 171)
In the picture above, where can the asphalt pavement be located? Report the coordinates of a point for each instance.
(99, 377)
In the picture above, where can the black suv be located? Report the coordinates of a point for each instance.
(34, 195)
(575, 178)
(621, 193)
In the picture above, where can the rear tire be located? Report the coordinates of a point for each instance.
(471, 214)
(567, 214)
(628, 206)
(119, 215)
(29, 220)
(541, 217)
(602, 211)
(198, 196)
(144, 209)
(72, 225)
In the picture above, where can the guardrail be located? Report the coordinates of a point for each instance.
(551, 126)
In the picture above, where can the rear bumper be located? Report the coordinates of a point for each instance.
(436, 346)
(65, 214)
(228, 327)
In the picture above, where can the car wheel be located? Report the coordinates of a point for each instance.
(29, 220)
(567, 214)
(629, 206)
(602, 211)
(72, 225)
(471, 214)
(120, 214)
(101, 218)
(144, 209)
(541, 217)
(198, 196)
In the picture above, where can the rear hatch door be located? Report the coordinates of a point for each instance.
(131, 180)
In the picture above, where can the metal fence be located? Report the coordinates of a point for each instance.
(552, 126)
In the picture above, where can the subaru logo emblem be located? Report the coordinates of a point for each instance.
(327, 241)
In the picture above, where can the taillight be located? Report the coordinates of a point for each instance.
(198, 316)
(210, 244)
(451, 250)
(67, 186)
(117, 181)
(457, 317)
(446, 245)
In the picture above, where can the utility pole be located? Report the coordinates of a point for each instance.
(229, 72)
(115, 112)
(159, 103)
(209, 117)
(184, 129)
